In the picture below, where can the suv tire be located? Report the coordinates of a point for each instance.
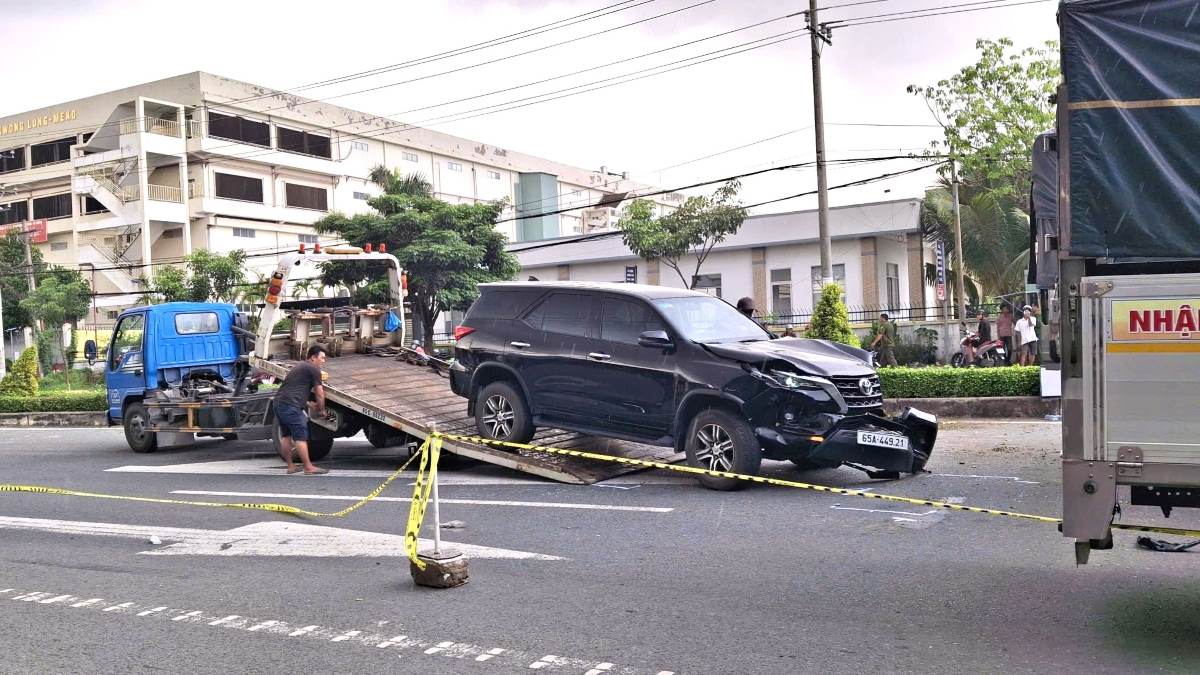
(721, 441)
(502, 414)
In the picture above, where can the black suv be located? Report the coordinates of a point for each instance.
(676, 368)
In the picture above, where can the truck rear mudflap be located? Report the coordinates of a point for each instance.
(882, 446)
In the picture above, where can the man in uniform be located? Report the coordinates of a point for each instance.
(885, 340)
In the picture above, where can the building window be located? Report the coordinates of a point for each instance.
(112, 314)
(454, 166)
(59, 246)
(781, 292)
(88, 136)
(362, 195)
(14, 212)
(303, 142)
(308, 238)
(174, 233)
(494, 175)
(54, 206)
(52, 152)
(241, 188)
(893, 285)
(89, 205)
(410, 157)
(306, 197)
(239, 129)
(244, 232)
(12, 159)
(359, 145)
(708, 283)
(839, 278)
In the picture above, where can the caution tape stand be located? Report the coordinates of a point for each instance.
(437, 567)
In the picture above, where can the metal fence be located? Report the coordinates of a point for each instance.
(867, 314)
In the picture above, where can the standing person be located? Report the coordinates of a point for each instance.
(290, 403)
(1027, 335)
(746, 306)
(885, 340)
(1004, 331)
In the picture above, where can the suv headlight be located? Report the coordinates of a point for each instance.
(795, 381)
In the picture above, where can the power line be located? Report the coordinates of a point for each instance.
(897, 16)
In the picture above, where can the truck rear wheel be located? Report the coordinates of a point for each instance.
(137, 429)
(718, 440)
(319, 448)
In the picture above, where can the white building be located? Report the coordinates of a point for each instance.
(878, 256)
(121, 182)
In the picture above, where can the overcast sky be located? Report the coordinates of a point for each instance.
(65, 49)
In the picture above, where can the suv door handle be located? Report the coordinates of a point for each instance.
(519, 345)
(597, 356)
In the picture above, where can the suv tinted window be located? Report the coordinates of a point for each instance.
(563, 313)
(624, 320)
(506, 304)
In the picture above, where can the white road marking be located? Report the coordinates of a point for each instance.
(491, 654)
(903, 513)
(971, 475)
(479, 502)
(269, 538)
(33, 597)
(442, 649)
(7, 590)
(55, 599)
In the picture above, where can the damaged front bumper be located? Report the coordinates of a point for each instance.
(882, 446)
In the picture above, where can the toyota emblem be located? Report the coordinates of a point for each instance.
(868, 387)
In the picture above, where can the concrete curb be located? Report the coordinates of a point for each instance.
(995, 406)
(54, 419)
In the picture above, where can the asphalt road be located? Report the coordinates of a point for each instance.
(649, 574)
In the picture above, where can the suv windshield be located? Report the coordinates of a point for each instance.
(706, 319)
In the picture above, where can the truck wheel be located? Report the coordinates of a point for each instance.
(502, 414)
(721, 441)
(137, 429)
(379, 435)
(319, 447)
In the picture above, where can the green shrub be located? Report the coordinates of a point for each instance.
(22, 378)
(830, 320)
(63, 401)
(947, 382)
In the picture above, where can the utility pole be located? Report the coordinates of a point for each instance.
(819, 34)
(958, 250)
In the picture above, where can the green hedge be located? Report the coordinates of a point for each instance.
(947, 382)
(61, 401)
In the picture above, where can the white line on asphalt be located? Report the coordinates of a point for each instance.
(88, 603)
(971, 475)
(441, 647)
(491, 654)
(227, 619)
(600, 669)
(265, 624)
(55, 599)
(7, 590)
(148, 612)
(303, 631)
(116, 608)
(543, 662)
(189, 615)
(903, 513)
(479, 502)
(346, 636)
(393, 641)
(33, 597)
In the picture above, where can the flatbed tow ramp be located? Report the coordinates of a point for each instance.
(417, 400)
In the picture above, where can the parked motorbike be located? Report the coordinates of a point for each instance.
(987, 354)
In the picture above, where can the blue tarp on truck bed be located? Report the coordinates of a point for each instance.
(1132, 70)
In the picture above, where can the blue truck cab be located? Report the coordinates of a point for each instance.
(168, 365)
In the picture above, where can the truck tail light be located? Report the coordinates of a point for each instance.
(461, 332)
(274, 288)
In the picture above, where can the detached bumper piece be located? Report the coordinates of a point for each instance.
(876, 444)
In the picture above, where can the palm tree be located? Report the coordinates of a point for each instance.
(995, 232)
(393, 182)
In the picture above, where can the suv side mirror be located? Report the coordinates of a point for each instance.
(655, 338)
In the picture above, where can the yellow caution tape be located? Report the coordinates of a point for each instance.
(426, 475)
(803, 486)
(276, 508)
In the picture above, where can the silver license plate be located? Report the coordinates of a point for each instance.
(883, 440)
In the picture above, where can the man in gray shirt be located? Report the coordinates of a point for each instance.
(291, 402)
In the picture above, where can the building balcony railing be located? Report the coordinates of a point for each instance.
(164, 193)
(151, 125)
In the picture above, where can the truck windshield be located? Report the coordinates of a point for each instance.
(709, 320)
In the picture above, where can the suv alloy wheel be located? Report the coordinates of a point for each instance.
(502, 414)
(721, 441)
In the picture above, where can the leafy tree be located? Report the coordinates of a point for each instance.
(446, 249)
(991, 111)
(692, 229)
(830, 320)
(22, 378)
(207, 276)
(14, 286)
(995, 232)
